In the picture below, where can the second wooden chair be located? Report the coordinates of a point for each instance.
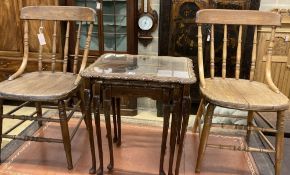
(236, 93)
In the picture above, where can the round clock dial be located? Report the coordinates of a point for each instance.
(145, 22)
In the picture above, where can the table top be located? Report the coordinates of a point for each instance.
(143, 68)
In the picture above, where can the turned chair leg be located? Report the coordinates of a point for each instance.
(279, 141)
(65, 133)
(1, 123)
(249, 123)
(39, 112)
(204, 136)
(198, 116)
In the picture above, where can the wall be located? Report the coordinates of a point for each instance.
(268, 5)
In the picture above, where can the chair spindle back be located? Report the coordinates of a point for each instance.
(240, 18)
(57, 14)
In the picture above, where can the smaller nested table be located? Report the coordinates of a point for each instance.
(163, 78)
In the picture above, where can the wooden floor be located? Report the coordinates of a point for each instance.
(138, 155)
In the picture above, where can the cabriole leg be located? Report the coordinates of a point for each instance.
(107, 104)
(166, 116)
(86, 110)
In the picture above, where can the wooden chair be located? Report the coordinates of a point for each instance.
(51, 86)
(237, 93)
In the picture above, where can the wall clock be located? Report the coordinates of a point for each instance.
(147, 22)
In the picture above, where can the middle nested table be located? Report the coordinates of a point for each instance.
(163, 78)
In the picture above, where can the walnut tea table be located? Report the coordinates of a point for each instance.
(163, 78)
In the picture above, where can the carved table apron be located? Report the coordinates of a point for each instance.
(157, 77)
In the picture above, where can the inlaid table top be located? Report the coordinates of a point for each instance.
(143, 68)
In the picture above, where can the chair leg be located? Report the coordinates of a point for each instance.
(279, 141)
(39, 112)
(113, 105)
(65, 133)
(204, 136)
(118, 105)
(85, 106)
(1, 123)
(198, 116)
(249, 123)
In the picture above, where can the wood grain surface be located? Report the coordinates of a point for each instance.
(243, 94)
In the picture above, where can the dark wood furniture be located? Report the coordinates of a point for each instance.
(161, 78)
(237, 93)
(50, 86)
(115, 29)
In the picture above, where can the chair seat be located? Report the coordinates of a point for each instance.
(39, 86)
(243, 94)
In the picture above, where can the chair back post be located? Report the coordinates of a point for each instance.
(200, 58)
(225, 50)
(212, 52)
(40, 51)
(53, 59)
(25, 56)
(239, 53)
(65, 58)
(86, 52)
(254, 54)
(268, 73)
(76, 56)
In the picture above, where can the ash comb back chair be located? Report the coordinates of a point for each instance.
(51, 86)
(237, 93)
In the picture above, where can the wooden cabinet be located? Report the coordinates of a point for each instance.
(115, 29)
(280, 58)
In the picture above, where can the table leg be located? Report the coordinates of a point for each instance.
(107, 105)
(166, 116)
(185, 116)
(88, 119)
(115, 139)
(96, 106)
(174, 127)
(118, 104)
(179, 122)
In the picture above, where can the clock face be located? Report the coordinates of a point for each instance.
(145, 22)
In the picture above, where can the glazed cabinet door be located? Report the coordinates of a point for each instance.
(114, 29)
